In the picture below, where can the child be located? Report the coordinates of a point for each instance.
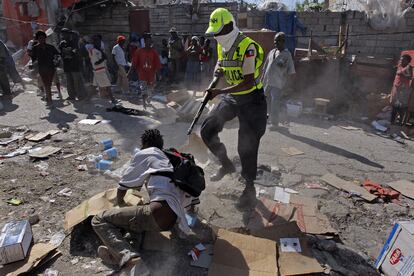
(401, 90)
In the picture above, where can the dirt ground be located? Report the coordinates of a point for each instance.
(352, 155)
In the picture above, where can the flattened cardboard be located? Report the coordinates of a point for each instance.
(36, 254)
(348, 186)
(237, 254)
(42, 135)
(292, 151)
(96, 204)
(405, 187)
(44, 152)
(303, 210)
(291, 263)
(89, 122)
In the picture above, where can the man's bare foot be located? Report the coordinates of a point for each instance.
(135, 267)
(106, 256)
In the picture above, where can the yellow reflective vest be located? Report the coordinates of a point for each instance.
(232, 62)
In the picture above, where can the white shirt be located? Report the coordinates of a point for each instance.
(278, 66)
(119, 54)
(160, 188)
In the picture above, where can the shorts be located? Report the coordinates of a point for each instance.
(101, 79)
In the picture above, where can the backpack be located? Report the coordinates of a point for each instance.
(187, 175)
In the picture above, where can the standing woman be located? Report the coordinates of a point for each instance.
(47, 58)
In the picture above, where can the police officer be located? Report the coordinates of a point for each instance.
(239, 60)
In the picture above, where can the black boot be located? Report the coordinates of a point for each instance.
(248, 198)
(227, 169)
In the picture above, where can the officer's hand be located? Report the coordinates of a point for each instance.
(213, 92)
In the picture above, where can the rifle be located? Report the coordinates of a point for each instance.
(203, 104)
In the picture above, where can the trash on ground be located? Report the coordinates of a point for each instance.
(89, 122)
(41, 135)
(14, 201)
(378, 126)
(15, 240)
(205, 258)
(98, 203)
(38, 255)
(348, 187)
(51, 272)
(405, 187)
(104, 165)
(292, 151)
(65, 192)
(43, 152)
(57, 238)
(295, 256)
(196, 251)
(315, 186)
(397, 255)
(106, 144)
(110, 154)
(82, 168)
(19, 151)
(281, 195)
(43, 167)
(303, 210)
(384, 193)
(80, 158)
(234, 254)
(350, 128)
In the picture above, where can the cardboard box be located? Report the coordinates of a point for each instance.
(15, 240)
(397, 255)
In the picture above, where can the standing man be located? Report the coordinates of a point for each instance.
(69, 50)
(175, 47)
(146, 63)
(119, 56)
(239, 61)
(278, 67)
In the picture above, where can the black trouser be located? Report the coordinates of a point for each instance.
(4, 83)
(251, 110)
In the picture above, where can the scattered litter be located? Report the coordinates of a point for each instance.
(350, 128)
(43, 152)
(205, 258)
(65, 192)
(405, 187)
(42, 166)
(292, 151)
(104, 165)
(384, 193)
(348, 187)
(19, 151)
(378, 126)
(89, 122)
(315, 186)
(80, 158)
(106, 144)
(15, 240)
(51, 272)
(41, 135)
(69, 155)
(57, 239)
(14, 202)
(106, 121)
(281, 195)
(261, 192)
(196, 251)
(82, 168)
(291, 191)
(47, 199)
(74, 261)
(38, 255)
(290, 245)
(110, 154)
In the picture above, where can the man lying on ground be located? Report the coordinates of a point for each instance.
(166, 207)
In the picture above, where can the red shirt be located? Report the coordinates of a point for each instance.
(403, 77)
(147, 63)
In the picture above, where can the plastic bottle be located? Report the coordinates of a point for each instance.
(110, 154)
(106, 144)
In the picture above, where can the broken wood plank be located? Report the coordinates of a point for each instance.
(348, 186)
(405, 187)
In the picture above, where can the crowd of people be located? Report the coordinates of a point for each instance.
(85, 60)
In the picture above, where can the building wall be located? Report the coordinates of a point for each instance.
(2, 24)
(363, 39)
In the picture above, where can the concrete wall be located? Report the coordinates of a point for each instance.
(363, 39)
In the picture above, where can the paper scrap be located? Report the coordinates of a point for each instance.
(43, 152)
(89, 122)
(348, 186)
(290, 245)
(281, 195)
(405, 187)
(292, 151)
(350, 128)
(205, 258)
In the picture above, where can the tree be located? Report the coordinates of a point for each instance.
(309, 5)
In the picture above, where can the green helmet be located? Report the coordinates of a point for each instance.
(218, 18)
